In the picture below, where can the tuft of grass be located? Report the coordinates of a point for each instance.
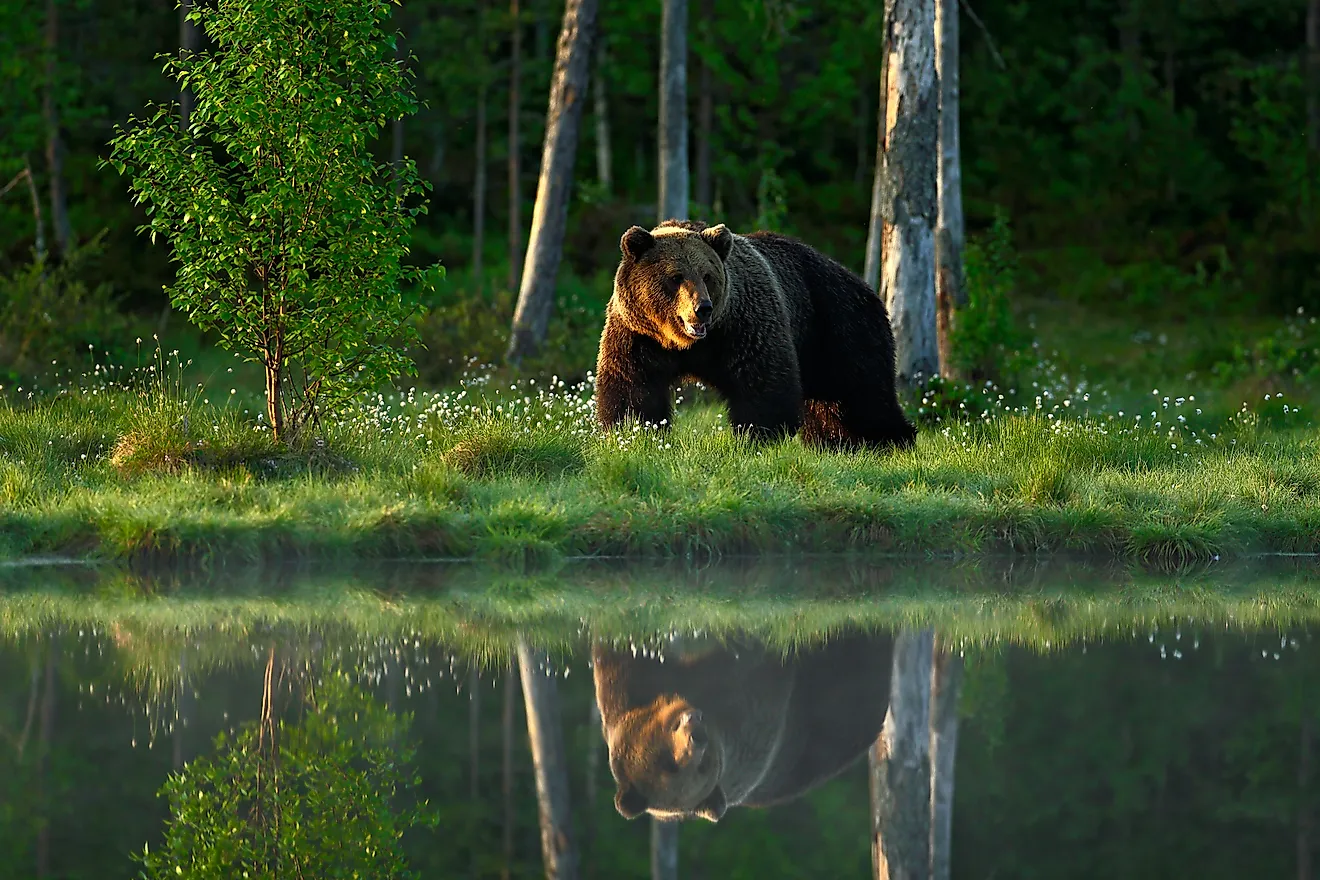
(492, 449)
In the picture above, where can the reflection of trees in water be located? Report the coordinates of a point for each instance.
(325, 796)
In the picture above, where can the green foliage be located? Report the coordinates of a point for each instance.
(289, 237)
(1292, 353)
(48, 311)
(986, 342)
(322, 798)
(771, 201)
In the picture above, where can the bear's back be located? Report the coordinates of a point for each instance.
(840, 698)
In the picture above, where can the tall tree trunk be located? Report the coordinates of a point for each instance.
(396, 129)
(1129, 44)
(188, 40)
(479, 178)
(1304, 807)
(705, 112)
(182, 711)
(673, 147)
(544, 729)
(601, 110)
(900, 766)
(47, 732)
(909, 197)
(875, 227)
(568, 87)
(593, 768)
(945, 688)
(950, 295)
(474, 755)
(59, 209)
(37, 221)
(274, 362)
(515, 147)
(506, 786)
(664, 849)
(1313, 75)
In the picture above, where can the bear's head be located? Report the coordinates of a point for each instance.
(667, 761)
(671, 284)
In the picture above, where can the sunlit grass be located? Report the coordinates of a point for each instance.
(519, 473)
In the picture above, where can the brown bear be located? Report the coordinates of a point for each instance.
(790, 339)
(735, 724)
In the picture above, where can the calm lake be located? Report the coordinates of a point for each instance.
(371, 722)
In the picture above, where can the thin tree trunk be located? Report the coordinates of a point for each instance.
(950, 294)
(593, 768)
(34, 691)
(909, 203)
(37, 220)
(274, 404)
(601, 110)
(1129, 42)
(396, 132)
(188, 40)
(515, 147)
(900, 766)
(47, 732)
(506, 787)
(1313, 75)
(474, 754)
(182, 710)
(664, 849)
(59, 210)
(705, 113)
(945, 688)
(673, 146)
(479, 178)
(544, 730)
(536, 296)
(875, 227)
(1304, 809)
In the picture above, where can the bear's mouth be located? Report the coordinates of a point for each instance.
(696, 330)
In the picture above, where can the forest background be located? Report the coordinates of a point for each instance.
(1160, 161)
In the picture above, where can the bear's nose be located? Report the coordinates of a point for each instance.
(703, 311)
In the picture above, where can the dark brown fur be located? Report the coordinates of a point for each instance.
(704, 731)
(795, 342)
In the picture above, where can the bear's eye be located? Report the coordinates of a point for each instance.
(674, 282)
(710, 280)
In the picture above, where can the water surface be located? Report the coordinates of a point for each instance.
(1111, 723)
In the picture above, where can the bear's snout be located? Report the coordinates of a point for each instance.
(703, 311)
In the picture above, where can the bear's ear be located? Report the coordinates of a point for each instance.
(714, 806)
(636, 241)
(720, 239)
(629, 802)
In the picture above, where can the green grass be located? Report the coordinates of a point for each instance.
(518, 473)
(476, 613)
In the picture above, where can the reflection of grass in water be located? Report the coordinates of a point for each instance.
(474, 613)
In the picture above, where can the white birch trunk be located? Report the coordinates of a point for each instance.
(545, 731)
(673, 126)
(545, 244)
(945, 688)
(950, 294)
(900, 766)
(909, 203)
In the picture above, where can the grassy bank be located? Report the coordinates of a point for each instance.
(519, 473)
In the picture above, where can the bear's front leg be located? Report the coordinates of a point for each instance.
(618, 397)
(765, 399)
(631, 380)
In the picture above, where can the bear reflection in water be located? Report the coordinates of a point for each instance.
(717, 725)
